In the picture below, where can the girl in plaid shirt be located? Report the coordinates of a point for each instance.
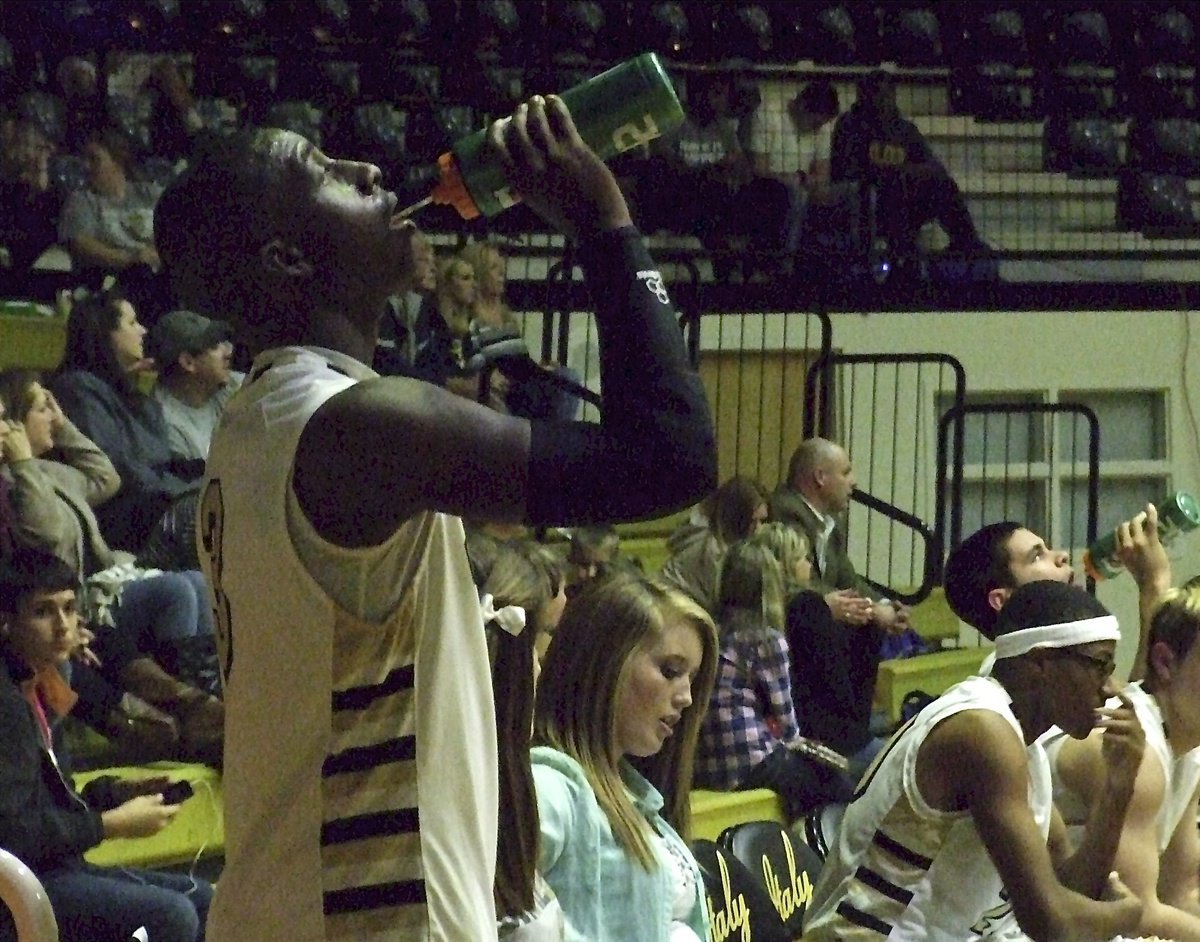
(750, 738)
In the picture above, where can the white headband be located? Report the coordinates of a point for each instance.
(511, 617)
(1084, 631)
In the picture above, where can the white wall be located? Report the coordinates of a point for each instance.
(1080, 350)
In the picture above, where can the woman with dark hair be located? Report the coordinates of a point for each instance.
(97, 387)
(518, 599)
(109, 227)
(733, 512)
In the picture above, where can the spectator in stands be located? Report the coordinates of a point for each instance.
(408, 328)
(43, 820)
(346, 498)
(815, 495)
(29, 204)
(448, 351)
(590, 554)
(528, 391)
(175, 120)
(874, 145)
(84, 95)
(965, 790)
(489, 308)
(793, 147)
(1158, 855)
(733, 512)
(627, 678)
(109, 227)
(456, 294)
(195, 379)
(517, 607)
(833, 669)
(699, 180)
(749, 737)
(149, 624)
(814, 499)
(97, 386)
(150, 83)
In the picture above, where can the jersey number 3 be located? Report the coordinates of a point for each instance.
(212, 525)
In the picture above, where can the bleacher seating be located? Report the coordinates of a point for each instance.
(198, 830)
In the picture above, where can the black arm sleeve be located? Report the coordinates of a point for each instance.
(653, 451)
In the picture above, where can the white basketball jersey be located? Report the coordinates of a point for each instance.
(360, 754)
(905, 870)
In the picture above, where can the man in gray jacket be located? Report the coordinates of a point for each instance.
(815, 495)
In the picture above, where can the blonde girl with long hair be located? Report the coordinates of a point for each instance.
(627, 677)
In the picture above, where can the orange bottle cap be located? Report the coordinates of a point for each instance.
(451, 190)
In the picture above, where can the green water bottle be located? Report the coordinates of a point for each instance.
(1177, 514)
(629, 105)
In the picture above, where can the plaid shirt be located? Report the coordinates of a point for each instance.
(751, 713)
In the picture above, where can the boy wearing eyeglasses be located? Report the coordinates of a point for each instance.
(952, 832)
(981, 574)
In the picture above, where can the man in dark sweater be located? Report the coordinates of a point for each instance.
(876, 146)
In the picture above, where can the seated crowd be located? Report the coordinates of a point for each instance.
(768, 193)
(749, 657)
(747, 664)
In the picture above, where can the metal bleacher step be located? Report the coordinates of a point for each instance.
(1131, 243)
(964, 144)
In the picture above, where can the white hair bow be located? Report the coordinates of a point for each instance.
(511, 617)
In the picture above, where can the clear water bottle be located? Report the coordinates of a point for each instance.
(1177, 514)
(629, 105)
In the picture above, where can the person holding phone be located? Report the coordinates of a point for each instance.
(44, 821)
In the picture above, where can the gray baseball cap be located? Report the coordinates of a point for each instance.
(184, 332)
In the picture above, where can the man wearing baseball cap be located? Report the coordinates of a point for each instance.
(193, 355)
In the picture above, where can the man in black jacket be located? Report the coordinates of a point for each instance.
(876, 146)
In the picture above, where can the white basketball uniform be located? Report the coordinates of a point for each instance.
(360, 755)
(904, 870)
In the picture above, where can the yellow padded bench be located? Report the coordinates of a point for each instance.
(931, 673)
(32, 336)
(933, 620)
(197, 831)
(650, 551)
(713, 812)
